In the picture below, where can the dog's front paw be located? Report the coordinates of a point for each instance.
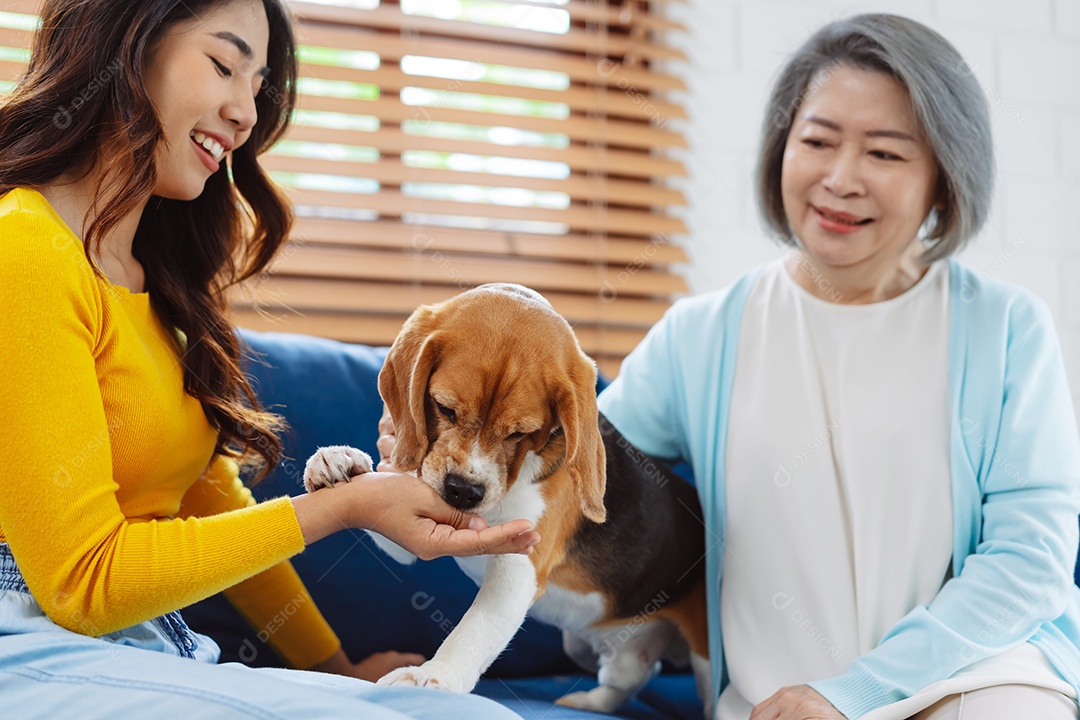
(431, 674)
(334, 464)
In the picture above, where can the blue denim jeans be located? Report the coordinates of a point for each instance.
(161, 669)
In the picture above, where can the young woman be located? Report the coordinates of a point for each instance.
(883, 441)
(130, 198)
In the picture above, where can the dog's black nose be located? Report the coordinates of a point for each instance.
(461, 493)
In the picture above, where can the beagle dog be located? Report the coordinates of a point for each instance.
(494, 405)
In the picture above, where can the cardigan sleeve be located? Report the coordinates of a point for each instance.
(641, 401)
(1021, 572)
(275, 602)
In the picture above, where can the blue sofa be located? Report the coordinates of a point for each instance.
(327, 391)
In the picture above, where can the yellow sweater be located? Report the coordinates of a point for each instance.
(110, 502)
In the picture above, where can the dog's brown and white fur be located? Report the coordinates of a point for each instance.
(494, 406)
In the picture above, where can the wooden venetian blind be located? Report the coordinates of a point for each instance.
(441, 144)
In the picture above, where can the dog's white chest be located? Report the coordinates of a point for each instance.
(568, 609)
(562, 608)
(473, 566)
(558, 606)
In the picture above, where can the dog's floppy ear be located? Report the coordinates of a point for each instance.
(403, 383)
(585, 460)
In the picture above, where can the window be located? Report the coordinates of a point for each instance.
(440, 144)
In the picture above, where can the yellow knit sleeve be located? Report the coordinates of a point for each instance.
(92, 569)
(275, 601)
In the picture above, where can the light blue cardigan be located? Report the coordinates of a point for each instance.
(1015, 458)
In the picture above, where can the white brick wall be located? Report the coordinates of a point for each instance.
(1027, 58)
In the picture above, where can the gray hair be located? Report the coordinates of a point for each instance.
(946, 98)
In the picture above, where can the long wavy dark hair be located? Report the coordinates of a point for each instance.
(81, 102)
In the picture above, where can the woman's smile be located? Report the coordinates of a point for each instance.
(840, 223)
(209, 148)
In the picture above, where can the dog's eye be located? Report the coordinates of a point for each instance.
(450, 414)
(515, 436)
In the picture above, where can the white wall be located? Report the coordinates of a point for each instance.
(1026, 54)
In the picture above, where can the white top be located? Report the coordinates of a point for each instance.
(839, 507)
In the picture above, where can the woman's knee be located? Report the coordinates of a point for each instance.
(52, 671)
(1002, 702)
(53, 674)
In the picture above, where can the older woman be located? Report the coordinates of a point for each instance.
(884, 443)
